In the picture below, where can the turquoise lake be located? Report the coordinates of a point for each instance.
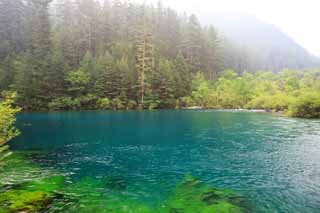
(273, 161)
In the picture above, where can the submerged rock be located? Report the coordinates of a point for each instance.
(24, 201)
(210, 197)
(193, 196)
(31, 196)
(115, 183)
(24, 187)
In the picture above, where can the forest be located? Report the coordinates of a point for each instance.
(123, 107)
(88, 55)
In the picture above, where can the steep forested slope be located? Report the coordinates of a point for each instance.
(251, 44)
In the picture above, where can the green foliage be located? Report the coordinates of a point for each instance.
(103, 103)
(295, 92)
(182, 76)
(163, 90)
(105, 75)
(131, 105)
(7, 119)
(137, 57)
(307, 105)
(192, 195)
(153, 106)
(79, 82)
(62, 103)
(186, 102)
(87, 101)
(117, 104)
(277, 102)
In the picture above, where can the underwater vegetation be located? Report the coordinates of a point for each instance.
(192, 195)
(26, 187)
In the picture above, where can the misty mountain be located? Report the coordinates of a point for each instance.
(251, 44)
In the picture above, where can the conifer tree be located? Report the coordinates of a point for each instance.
(192, 44)
(125, 80)
(68, 32)
(144, 56)
(105, 72)
(166, 84)
(38, 62)
(182, 76)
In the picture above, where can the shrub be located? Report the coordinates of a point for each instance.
(62, 103)
(103, 103)
(169, 103)
(277, 102)
(7, 120)
(153, 105)
(307, 106)
(187, 102)
(87, 101)
(131, 104)
(117, 104)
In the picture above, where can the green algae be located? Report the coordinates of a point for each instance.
(25, 187)
(222, 207)
(20, 168)
(98, 195)
(115, 183)
(31, 196)
(22, 200)
(192, 195)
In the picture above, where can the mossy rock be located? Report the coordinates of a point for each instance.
(50, 184)
(19, 195)
(115, 183)
(31, 196)
(24, 201)
(15, 162)
(192, 196)
(127, 206)
(222, 207)
(100, 195)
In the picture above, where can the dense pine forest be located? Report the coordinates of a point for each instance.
(87, 54)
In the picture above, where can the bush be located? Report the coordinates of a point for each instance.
(278, 102)
(117, 104)
(7, 120)
(103, 103)
(306, 106)
(153, 105)
(63, 103)
(87, 101)
(186, 102)
(131, 104)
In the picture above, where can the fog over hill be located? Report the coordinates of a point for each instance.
(249, 42)
(259, 45)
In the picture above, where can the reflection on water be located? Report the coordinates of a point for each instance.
(273, 161)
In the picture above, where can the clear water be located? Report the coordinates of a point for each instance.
(274, 161)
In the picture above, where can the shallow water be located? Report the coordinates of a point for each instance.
(273, 161)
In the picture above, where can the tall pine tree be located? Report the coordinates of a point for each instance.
(144, 56)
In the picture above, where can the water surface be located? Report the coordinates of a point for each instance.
(274, 161)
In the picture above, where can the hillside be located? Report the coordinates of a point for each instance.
(258, 45)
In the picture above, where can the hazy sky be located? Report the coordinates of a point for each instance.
(298, 18)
